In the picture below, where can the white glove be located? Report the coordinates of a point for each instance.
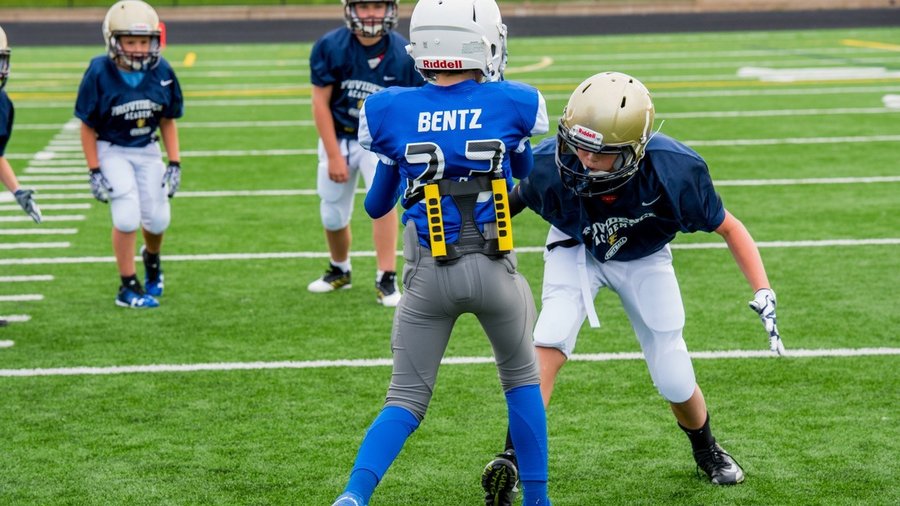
(172, 178)
(24, 198)
(764, 304)
(100, 186)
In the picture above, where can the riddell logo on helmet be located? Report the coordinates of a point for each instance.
(584, 132)
(441, 64)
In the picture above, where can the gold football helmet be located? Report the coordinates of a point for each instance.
(136, 18)
(4, 58)
(608, 113)
(370, 27)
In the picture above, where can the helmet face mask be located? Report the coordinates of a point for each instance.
(4, 59)
(136, 19)
(608, 114)
(370, 26)
(447, 35)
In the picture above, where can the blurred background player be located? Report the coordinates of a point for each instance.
(616, 195)
(448, 150)
(25, 198)
(124, 96)
(347, 65)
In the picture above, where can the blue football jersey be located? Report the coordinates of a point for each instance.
(672, 192)
(7, 113)
(122, 114)
(450, 132)
(339, 59)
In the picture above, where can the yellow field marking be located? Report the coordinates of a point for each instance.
(189, 59)
(870, 44)
(545, 62)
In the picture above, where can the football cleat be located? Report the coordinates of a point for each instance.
(721, 468)
(386, 290)
(500, 480)
(154, 286)
(135, 298)
(333, 279)
(348, 499)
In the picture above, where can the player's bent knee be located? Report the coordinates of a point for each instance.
(674, 376)
(125, 218)
(333, 218)
(157, 224)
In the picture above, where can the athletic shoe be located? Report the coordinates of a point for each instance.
(348, 499)
(134, 297)
(333, 279)
(386, 290)
(721, 468)
(3, 322)
(500, 480)
(154, 287)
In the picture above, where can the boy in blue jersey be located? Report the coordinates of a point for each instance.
(347, 65)
(616, 194)
(124, 97)
(448, 151)
(25, 198)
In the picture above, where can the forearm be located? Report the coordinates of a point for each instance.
(168, 129)
(7, 176)
(745, 252)
(325, 121)
(89, 146)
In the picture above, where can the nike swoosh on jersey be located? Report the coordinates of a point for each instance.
(165, 82)
(648, 204)
(390, 78)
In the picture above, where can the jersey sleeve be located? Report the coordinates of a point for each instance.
(538, 190)
(321, 71)
(86, 104)
(696, 204)
(7, 113)
(175, 108)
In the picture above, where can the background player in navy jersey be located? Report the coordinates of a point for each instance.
(124, 97)
(24, 197)
(346, 66)
(448, 151)
(616, 195)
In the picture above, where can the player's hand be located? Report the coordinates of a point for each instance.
(337, 170)
(172, 177)
(764, 304)
(25, 199)
(100, 186)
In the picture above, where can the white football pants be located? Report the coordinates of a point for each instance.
(650, 296)
(336, 206)
(138, 197)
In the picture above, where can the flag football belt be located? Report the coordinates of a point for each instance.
(471, 240)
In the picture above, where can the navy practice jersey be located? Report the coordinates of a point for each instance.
(449, 132)
(339, 59)
(672, 192)
(7, 112)
(123, 115)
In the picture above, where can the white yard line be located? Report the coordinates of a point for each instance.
(34, 245)
(39, 231)
(524, 249)
(25, 279)
(387, 362)
(61, 217)
(25, 297)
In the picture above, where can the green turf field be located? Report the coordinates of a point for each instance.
(800, 141)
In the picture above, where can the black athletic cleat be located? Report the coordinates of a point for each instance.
(386, 290)
(721, 468)
(333, 279)
(500, 480)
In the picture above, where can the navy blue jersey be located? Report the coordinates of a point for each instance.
(7, 113)
(339, 59)
(124, 115)
(449, 132)
(672, 192)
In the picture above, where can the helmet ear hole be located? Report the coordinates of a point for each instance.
(622, 106)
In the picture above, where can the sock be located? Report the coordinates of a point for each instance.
(509, 443)
(151, 263)
(528, 427)
(701, 438)
(344, 266)
(379, 448)
(130, 281)
(378, 275)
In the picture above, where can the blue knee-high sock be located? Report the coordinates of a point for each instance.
(379, 448)
(528, 427)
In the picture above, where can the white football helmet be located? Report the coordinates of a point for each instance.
(4, 58)
(608, 113)
(132, 17)
(457, 35)
(370, 27)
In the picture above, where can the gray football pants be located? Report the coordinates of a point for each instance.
(435, 296)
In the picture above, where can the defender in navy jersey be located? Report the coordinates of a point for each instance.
(124, 97)
(24, 197)
(347, 65)
(616, 195)
(448, 150)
